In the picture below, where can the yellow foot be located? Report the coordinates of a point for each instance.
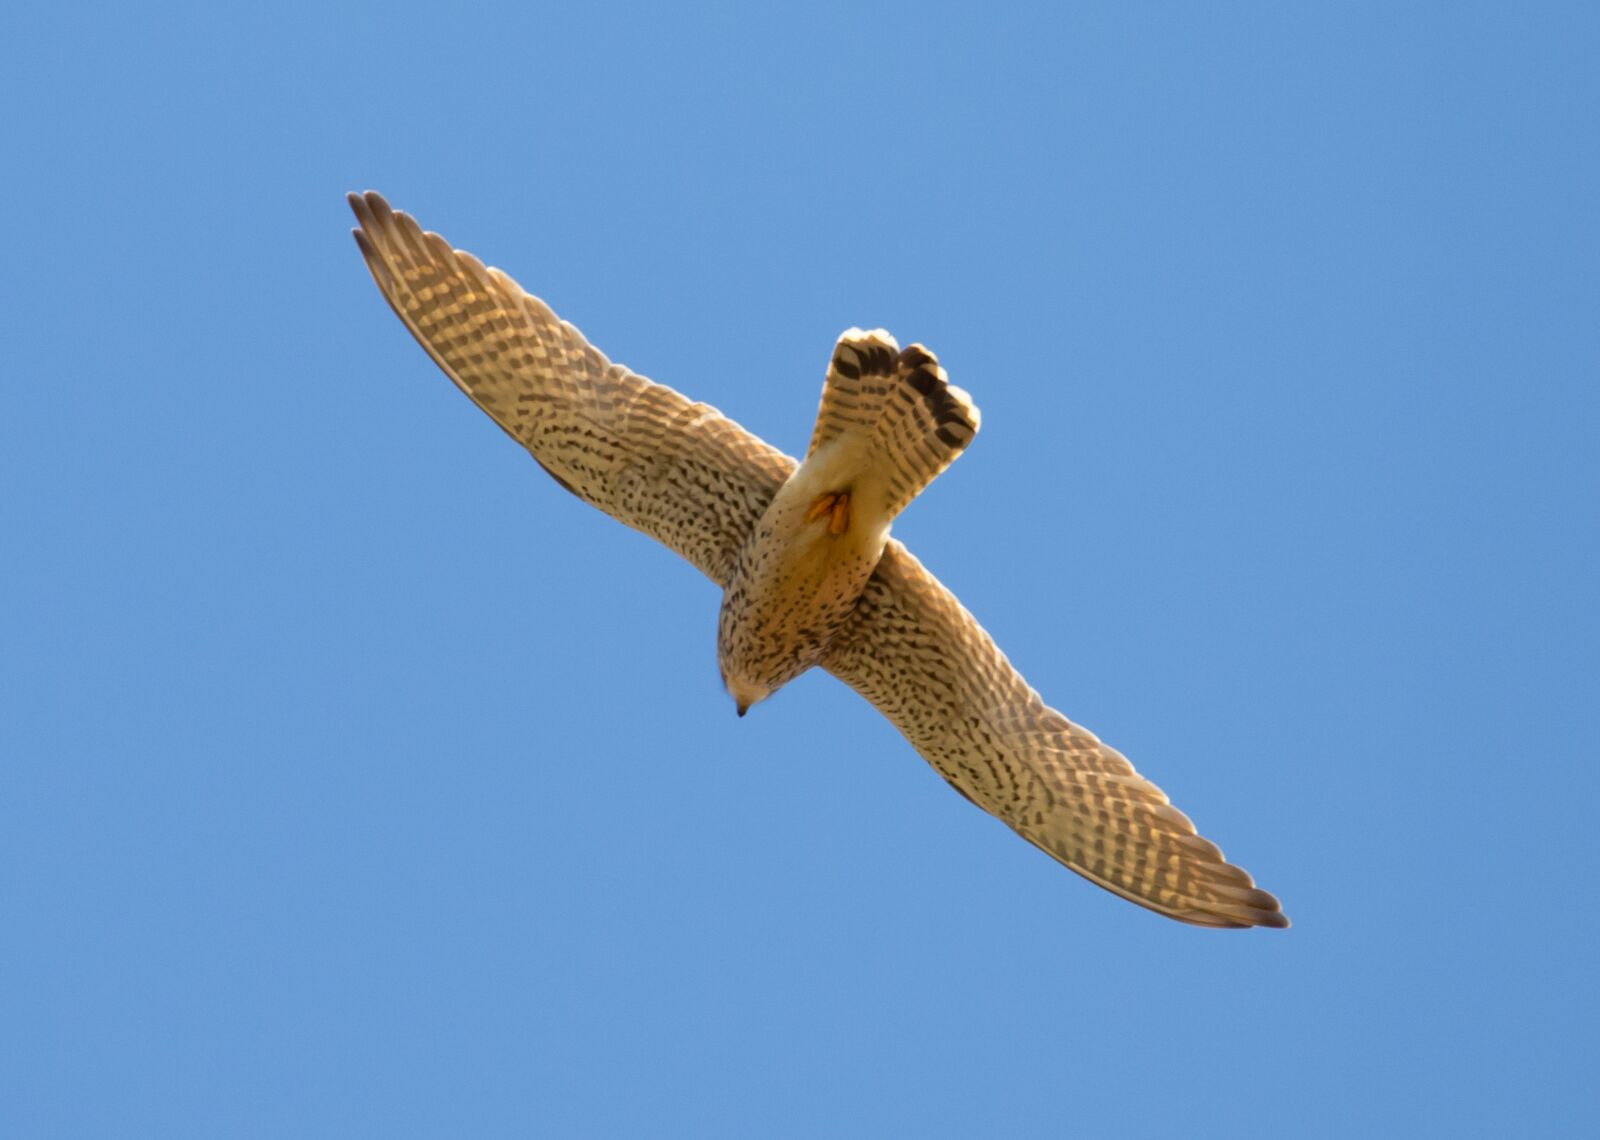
(840, 522)
(821, 507)
(835, 508)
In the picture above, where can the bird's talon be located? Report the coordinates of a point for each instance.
(822, 506)
(840, 522)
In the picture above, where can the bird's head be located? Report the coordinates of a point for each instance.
(745, 693)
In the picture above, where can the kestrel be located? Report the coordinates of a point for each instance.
(802, 552)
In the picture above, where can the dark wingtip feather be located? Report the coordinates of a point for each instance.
(375, 264)
(361, 206)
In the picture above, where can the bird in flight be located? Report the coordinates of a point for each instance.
(809, 574)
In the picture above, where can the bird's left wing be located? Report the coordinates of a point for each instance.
(920, 658)
(679, 471)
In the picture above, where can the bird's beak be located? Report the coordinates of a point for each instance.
(743, 709)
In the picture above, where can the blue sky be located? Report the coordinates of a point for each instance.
(356, 781)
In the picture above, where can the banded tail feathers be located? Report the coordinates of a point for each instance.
(900, 405)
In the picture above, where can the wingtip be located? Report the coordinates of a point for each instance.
(1252, 907)
(1268, 911)
(1264, 913)
(369, 207)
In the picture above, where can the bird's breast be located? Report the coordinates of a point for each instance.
(798, 577)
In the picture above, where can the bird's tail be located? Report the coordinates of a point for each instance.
(900, 406)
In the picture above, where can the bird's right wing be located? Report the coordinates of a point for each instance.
(919, 657)
(679, 471)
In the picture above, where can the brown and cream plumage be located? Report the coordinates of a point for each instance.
(809, 574)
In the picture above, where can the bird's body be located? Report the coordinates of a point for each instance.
(798, 576)
(802, 550)
(808, 558)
